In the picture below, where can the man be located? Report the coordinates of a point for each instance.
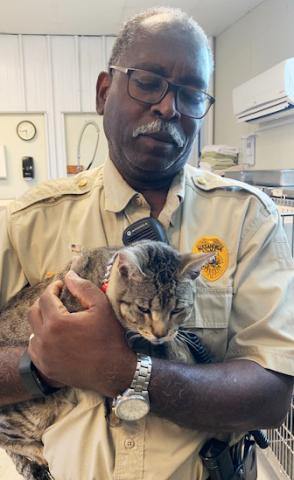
(153, 100)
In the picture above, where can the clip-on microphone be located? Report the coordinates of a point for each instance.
(147, 228)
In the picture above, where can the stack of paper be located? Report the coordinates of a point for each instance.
(219, 157)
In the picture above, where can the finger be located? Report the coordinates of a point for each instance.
(49, 300)
(35, 317)
(55, 287)
(87, 293)
(35, 352)
(31, 349)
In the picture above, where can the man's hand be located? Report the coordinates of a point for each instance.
(85, 349)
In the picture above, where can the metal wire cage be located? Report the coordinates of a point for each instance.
(281, 439)
(282, 447)
(286, 209)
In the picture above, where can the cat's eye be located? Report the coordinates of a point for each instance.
(143, 310)
(175, 311)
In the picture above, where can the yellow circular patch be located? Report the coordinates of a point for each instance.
(213, 271)
(50, 274)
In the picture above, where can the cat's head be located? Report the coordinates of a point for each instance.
(152, 287)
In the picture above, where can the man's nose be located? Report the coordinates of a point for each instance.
(167, 107)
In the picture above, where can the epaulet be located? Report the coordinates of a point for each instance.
(52, 190)
(208, 181)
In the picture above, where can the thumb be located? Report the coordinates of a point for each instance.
(85, 291)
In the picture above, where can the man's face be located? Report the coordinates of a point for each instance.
(144, 159)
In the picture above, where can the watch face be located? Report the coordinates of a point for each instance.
(132, 408)
(26, 130)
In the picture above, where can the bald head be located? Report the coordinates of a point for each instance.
(156, 20)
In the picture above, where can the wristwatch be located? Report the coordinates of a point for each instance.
(31, 378)
(134, 403)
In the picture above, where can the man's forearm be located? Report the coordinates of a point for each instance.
(11, 388)
(233, 396)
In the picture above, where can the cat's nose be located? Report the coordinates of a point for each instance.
(159, 331)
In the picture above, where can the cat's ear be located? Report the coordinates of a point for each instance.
(128, 265)
(79, 262)
(191, 263)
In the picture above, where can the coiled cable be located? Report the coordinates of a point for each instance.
(87, 124)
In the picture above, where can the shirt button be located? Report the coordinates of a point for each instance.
(113, 420)
(129, 443)
(138, 200)
(83, 182)
(201, 181)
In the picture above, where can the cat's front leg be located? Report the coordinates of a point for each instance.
(30, 470)
(32, 450)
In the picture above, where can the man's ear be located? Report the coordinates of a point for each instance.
(102, 87)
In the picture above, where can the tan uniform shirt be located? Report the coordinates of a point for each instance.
(243, 307)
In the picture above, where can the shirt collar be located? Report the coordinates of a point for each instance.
(175, 197)
(118, 193)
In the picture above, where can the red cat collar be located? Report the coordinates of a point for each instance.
(104, 286)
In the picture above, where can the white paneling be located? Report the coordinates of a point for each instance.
(109, 44)
(50, 123)
(92, 61)
(65, 79)
(11, 88)
(36, 72)
(53, 75)
(65, 75)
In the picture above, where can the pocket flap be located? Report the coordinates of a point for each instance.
(212, 308)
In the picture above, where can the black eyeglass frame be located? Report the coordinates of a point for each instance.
(175, 86)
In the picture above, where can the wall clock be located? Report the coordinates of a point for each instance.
(26, 130)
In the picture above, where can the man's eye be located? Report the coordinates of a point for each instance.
(147, 84)
(192, 96)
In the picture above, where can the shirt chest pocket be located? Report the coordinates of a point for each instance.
(210, 318)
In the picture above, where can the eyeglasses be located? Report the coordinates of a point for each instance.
(149, 87)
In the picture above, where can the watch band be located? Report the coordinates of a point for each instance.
(31, 379)
(133, 403)
(142, 374)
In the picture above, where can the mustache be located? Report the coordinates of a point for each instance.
(161, 126)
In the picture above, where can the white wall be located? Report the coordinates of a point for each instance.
(16, 148)
(258, 41)
(52, 75)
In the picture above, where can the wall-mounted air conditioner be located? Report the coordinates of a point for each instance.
(267, 96)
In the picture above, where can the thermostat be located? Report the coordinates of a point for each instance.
(28, 168)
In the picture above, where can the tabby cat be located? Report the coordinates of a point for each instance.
(151, 288)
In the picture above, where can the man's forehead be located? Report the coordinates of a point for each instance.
(151, 42)
(156, 27)
(159, 50)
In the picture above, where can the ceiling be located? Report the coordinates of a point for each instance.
(96, 17)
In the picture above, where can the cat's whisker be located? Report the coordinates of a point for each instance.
(180, 340)
(184, 339)
(182, 333)
(180, 336)
(175, 340)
